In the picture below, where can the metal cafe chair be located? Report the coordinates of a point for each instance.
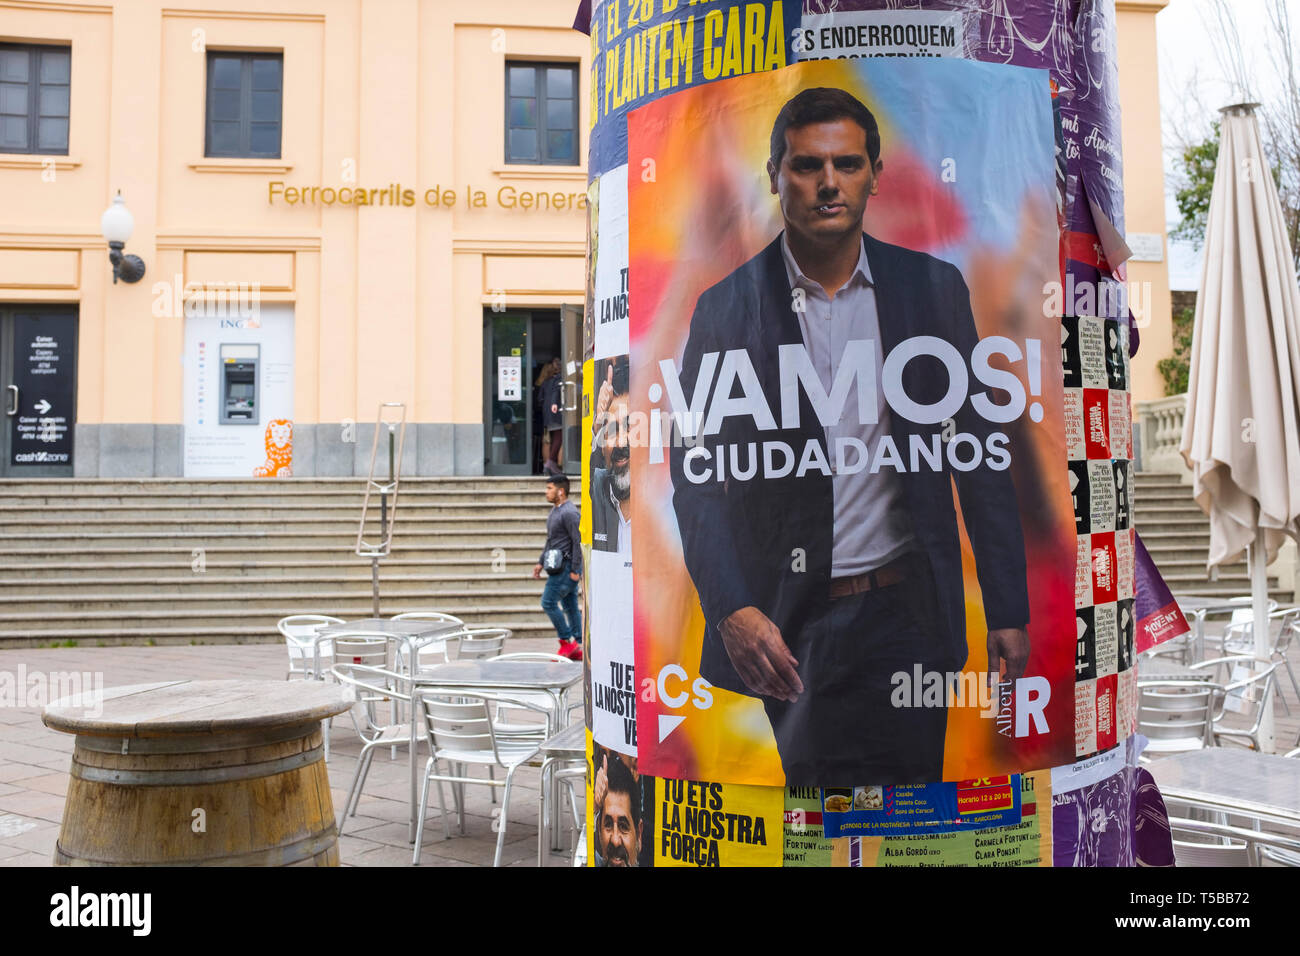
(298, 631)
(1177, 715)
(1239, 638)
(1213, 843)
(460, 732)
(1248, 685)
(477, 642)
(372, 683)
(369, 649)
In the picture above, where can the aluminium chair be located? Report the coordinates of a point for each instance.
(1248, 685)
(369, 649)
(306, 660)
(1177, 716)
(1239, 639)
(371, 683)
(298, 631)
(477, 643)
(460, 732)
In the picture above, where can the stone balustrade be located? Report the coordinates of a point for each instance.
(1161, 425)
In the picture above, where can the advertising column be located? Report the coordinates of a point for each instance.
(863, 614)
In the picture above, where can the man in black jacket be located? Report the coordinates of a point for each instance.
(563, 540)
(818, 583)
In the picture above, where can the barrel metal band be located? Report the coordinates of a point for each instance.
(173, 778)
(286, 855)
(193, 744)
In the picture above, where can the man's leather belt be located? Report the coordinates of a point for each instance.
(887, 575)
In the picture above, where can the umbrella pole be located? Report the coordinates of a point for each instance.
(1260, 629)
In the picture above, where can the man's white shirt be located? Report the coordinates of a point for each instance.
(871, 524)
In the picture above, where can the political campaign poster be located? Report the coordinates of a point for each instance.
(856, 542)
(904, 810)
(620, 805)
(607, 527)
(716, 824)
(646, 49)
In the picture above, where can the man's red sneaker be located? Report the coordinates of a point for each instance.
(571, 649)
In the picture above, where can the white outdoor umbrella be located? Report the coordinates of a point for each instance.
(1241, 436)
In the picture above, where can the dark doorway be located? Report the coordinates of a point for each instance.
(518, 348)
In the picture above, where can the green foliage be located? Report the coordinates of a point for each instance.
(1196, 167)
(1175, 369)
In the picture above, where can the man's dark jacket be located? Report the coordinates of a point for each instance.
(740, 538)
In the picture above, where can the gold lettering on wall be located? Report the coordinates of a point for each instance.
(280, 193)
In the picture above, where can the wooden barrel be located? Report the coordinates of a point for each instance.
(175, 789)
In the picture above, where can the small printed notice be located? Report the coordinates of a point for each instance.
(897, 810)
(509, 378)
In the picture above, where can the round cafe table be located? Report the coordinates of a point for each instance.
(199, 773)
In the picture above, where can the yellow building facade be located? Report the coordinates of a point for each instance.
(416, 233)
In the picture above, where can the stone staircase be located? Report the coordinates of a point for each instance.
(1177, 534)
(175, 561)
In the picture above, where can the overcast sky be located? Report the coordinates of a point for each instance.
(1193, 50)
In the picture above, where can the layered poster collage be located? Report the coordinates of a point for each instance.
(875, 454)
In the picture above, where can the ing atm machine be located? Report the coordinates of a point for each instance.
(239, 384)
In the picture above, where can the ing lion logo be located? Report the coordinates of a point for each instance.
(279, 450)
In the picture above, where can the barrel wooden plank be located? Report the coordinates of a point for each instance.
(183, 707)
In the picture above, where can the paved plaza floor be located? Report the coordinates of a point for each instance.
(34, 762)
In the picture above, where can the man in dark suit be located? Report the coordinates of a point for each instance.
(819, 583)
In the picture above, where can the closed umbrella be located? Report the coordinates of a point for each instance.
(1241, 436)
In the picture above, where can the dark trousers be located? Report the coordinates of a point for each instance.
(844, 730)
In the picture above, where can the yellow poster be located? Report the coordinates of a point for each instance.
(717, 824)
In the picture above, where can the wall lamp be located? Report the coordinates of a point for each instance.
(117, 224)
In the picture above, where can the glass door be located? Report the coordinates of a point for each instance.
(507, 405)
(38, 379)
(571, 391)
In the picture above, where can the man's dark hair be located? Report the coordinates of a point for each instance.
(823, 104)
(620, 780)
(561, 482)
(621, 382)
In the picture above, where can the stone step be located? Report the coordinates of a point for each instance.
(188, 583)
(348, 514)
(355, 607)
(181, 566)
(1145, 507)
(252, 541)
(214, 602)
(276, 494)
(237, 521)
(1155, 478)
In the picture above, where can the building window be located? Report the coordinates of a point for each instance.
(542, 113)
(244, 99)
(34, 87)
